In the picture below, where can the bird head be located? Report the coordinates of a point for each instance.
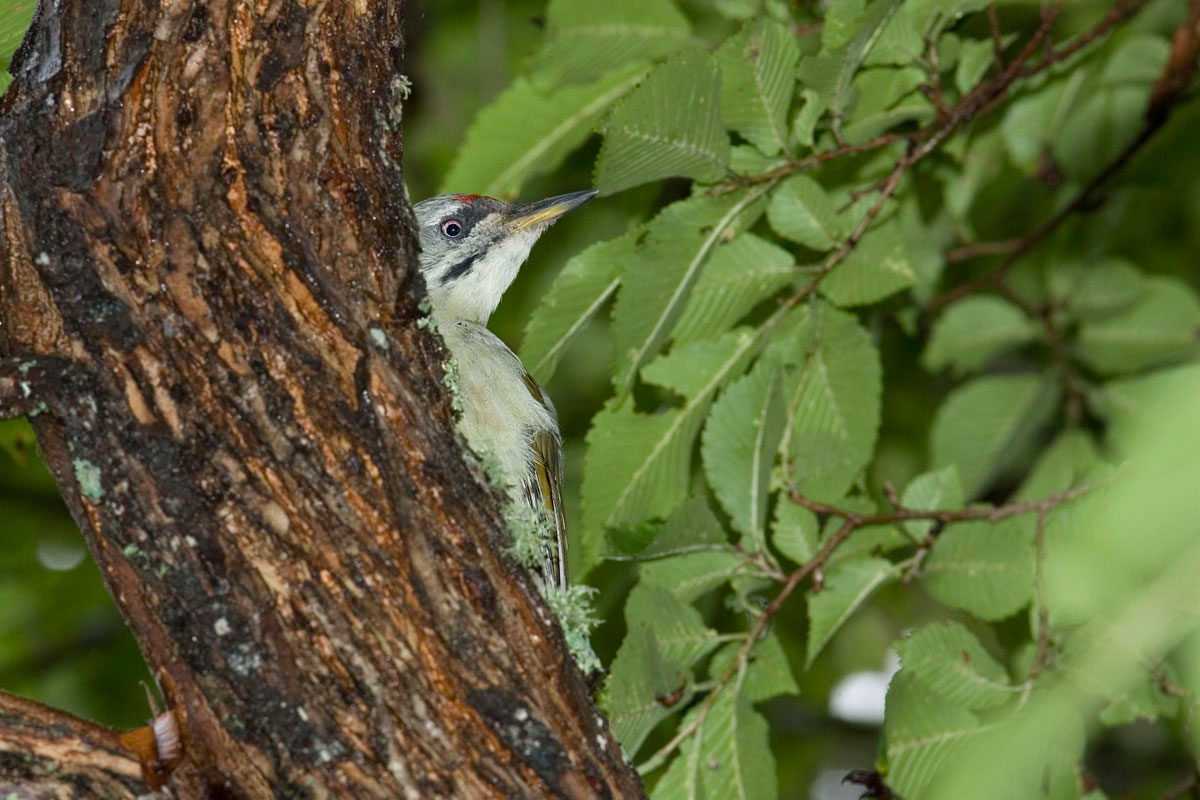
(472, 247)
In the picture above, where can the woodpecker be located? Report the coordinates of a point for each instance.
(472, 247)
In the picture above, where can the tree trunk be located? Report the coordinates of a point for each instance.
(209, 304)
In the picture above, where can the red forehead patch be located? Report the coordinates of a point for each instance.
(468, 198)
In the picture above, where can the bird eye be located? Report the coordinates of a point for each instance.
(452, 228)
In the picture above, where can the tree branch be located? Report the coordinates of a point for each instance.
(48, 753)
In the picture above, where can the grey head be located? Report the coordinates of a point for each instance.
(472, 247)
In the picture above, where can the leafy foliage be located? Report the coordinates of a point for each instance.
(787, 336)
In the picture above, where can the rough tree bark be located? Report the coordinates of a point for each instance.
(208, 309)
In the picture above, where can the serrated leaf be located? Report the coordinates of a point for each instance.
(525, 132)
(768, 673)
(985, 568)
(973, 330)
(669, 126)
(679, 630)
(637, 465)
(878, 267)
(985, 423)
(638, 676)
(833, 395)
(736, 753)
(800, 210)
(657, 279)
(794, 531)
(1162, 326)
(739, 274)
(682, 778)
(898, 45)
(758, 77)
(921, 732)
(694, 525)
(948, 660)
(585, 40)
(846, 588)
(691, 575)
(579, 291)
(929, 491)
(739, 445)
(867, 33)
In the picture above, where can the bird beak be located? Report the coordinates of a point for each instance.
(543, 212)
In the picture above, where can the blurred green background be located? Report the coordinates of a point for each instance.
(62, 641)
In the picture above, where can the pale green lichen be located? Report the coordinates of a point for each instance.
(573, 607)
(87, 475)
(379, 337)
(451, 380)
(528, 529)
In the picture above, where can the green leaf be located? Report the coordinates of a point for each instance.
(1111, 111)
(579, 291)
(694, 525)
(985, 568)
(1033, 122)
(693, 574)
(525, 132)
(922, 732)
(638, 676)
(974, 60)
(794, 531)
(14, 21)
(739, 445)
(657, 279)
(679, 631)
(846, 588)
(1162, 326)
(669, 126)
(805, 119)
(736, 753)
(739, 274)
(929, 491)
(879, 266)
(586, 40)
(758, 77)
(637, 466)
(885, 98)
(1094, 289)
(800, 210)
(984, 424)
(950, 661)
(1065, 463)
(867, 33)
(833, 393)
(768, 673)
(973, 330)
(682, 779)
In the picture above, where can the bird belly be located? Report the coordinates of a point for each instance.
(499, 415)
